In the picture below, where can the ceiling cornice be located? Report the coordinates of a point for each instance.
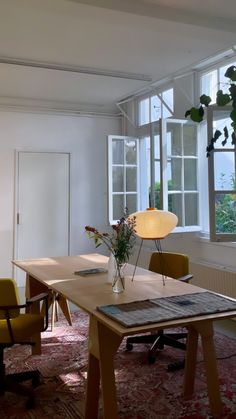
(175, 14)
(53, 107)
(24, 62)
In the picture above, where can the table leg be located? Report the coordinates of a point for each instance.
(103, 344)
(206, 331)
(92, 393)
(63, 303)
(190, 362)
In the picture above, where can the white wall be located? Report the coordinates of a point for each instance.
(85, 138)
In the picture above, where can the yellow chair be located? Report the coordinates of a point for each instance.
(55, 300)
(20, 328)
(174, 265)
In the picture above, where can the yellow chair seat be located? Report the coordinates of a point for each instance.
(23, 326)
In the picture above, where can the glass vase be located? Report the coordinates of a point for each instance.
(118, 282)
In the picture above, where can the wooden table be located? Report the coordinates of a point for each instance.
(105, 335)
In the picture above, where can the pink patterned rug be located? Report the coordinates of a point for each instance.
(144, 391)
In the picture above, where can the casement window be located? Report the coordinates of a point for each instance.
(123, 176)
(222, 161)
(170, 171)
(159, 168)
(156, 171)
(222, 186)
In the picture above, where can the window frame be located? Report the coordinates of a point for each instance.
(149, 131)
(124, 192)
(215, 236)
(148, 96)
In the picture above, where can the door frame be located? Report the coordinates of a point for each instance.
(16, 196)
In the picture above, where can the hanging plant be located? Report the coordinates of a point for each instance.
(196, 114)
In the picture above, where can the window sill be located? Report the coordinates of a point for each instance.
(204, 238)
(188, 229)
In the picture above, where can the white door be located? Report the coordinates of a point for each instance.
(42, 206)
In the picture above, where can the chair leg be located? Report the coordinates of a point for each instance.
(2, 379)
(54, 296)
(13, 384)
(139, 339)
(173, 343)
(162, 340)
(36, 348)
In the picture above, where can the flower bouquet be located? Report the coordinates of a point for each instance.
(120, 242)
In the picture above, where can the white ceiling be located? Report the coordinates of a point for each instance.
(156, 38)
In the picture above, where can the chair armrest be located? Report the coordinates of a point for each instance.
(39, 297)
(13, 307)
(185, 278)
(36, 299)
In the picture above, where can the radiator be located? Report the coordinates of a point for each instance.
(214, 278)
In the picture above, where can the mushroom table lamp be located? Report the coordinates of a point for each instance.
(153, 224)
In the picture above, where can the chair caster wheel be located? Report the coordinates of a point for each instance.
(129, 346)
(36, 380)
(176, 366)
(30, 404)
(151, 359)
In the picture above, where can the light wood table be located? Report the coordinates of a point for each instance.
(105, 335)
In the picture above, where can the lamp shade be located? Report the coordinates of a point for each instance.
(153, 224)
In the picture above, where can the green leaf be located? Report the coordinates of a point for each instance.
(187, 113)
(233, 136)
(217, 134)
(196, 114)
(226, 135)
(232, 90)
(222, 99)
(231, 72)
(233, 115)
(201, 111)
(233, 125)
(205, 100)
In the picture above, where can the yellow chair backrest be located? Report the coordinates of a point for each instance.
(174, 265)
(9, 296)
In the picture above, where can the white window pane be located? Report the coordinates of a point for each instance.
(157, 174)
(118, 206)
(155, 108)
(168, 97)
(224, 170)
(157, 197)
(174, 146)
(157, 186)
(144, 112)
(165, 112)
(131, 152)
(175, 206)
(191, 209)
(131, 179)
(176, 174)
(190, 140)
(225, 213)
(145, 172)
(131, 203)
(190, 174)
(157, 146)
(118, 179)
(117, 152)
(209, 85)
